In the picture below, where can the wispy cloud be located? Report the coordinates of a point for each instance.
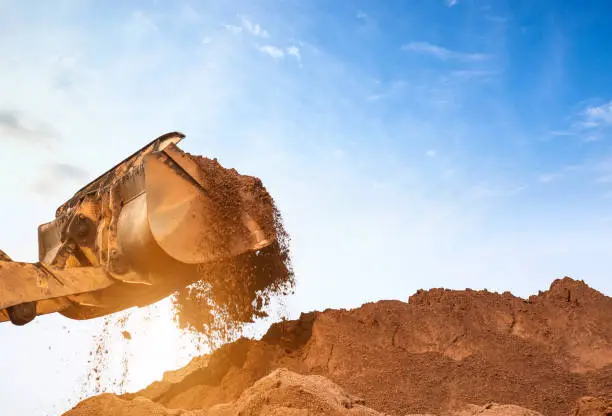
(561, 133)
(597, 116)
(247, 25)
(56, 176)
(273, 51)
(67, 171)
(295, 52)
(549, 177)
(367, 22)
(233, 28)
(431, 153)
(588, 124)
(361, 15)
(442, 53)
(451, 3)
(387, 90)
(473, 74)
(254, 28)
(15, 125)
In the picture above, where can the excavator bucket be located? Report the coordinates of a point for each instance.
(184, 218)
(136, 234)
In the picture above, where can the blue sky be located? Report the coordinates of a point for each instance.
(409, 144)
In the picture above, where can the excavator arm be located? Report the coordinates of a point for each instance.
(136, 234)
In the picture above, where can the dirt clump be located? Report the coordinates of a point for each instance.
(494, 409)
(593, 406)
(286, 393)
(238, 289)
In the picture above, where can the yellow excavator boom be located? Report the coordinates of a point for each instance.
(136, 234)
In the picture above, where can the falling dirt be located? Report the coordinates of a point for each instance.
(237, 290)
(99, 377)
(443, 352)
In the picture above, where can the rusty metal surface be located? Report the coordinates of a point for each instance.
(26, 282)
(107, 178)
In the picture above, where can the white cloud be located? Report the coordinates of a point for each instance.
(367, 22)
(294, 51)
(441, 52)
(234, 29)
(206, 40)
(58, 175)
(562, 133)
(548, 177)
(273, 51)
(473, 74)
(451, 3)
(589, 124)
(253, 28)
(431, 153)
(386, 90)
(376, 97)
(597, 116)
(247, 25)
(14, 125)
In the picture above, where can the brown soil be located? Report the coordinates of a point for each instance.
(438, 353)
(238, 290)
(281, 393)
(593, 406)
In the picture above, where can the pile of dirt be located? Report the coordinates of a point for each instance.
(239, 289)
(438, 353)
(282, 392)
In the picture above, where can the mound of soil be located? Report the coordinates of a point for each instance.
(438, 353)
(282, 392)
